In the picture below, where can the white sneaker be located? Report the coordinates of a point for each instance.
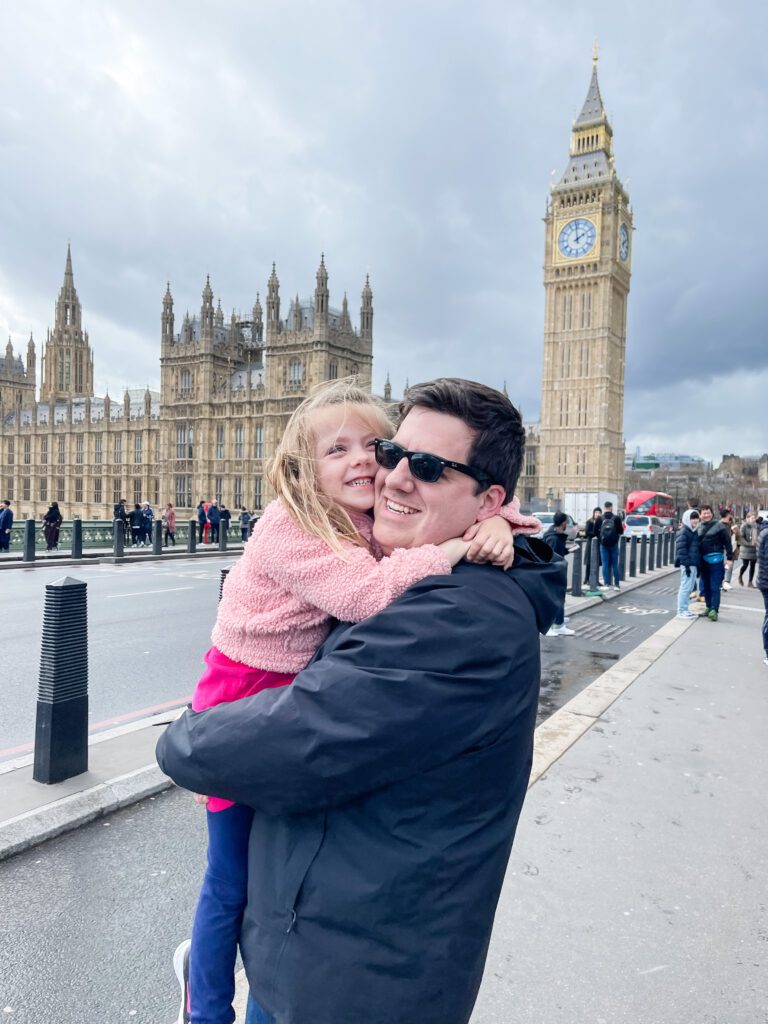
(564, 631)
(726, 586)
(688, 615)
(553, 631)
(181, 969)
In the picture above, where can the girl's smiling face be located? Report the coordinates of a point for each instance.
(344, 456)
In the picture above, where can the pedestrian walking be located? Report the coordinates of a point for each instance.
(169, 525)
(716, 553)
(555, 537)
(750, 532)
(726, 518)
(136, 522)
(148, 518)
(202, 520)
(592, 530)
(762, 584)
(226, 516)
(343, 754)
(687, 558)
(52, 521)
(6, 523)
(244, 519)
(611, 528)
(214, 520)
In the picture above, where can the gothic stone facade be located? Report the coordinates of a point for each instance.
(587, 263)
(226, 391)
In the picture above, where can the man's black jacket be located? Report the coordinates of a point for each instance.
(387, 781)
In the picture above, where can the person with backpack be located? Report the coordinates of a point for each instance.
(555, 537)
(687, 559)
(592, 530)
(611, 529)
(244, 519)
(762, 582)
(750, 532)
(716, 555)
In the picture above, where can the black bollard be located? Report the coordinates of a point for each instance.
(222, 581)
(643, 555)
(633, 557)
(622, 558)
(668, 548)
(157, 537)
(61, 730)
(118, 538)
(192, 538)
(658, 552)
(576, 590)
(77, 538)
(652, 552)
(28, 550)
(222, 538)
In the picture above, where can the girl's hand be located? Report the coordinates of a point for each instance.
(201, 799)
(454, 549)
(491, 541)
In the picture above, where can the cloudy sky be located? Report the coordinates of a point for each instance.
(414, 140)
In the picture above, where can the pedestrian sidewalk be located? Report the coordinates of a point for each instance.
(635, 893)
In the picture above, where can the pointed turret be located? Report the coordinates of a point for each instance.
(387, 389)
(167, 317)
(219, 318)
(126, 405)
(593, 110)
(207, 312)
(31, 361)
(346, 323)
(366, 311)
(297, 314)
(147, 403)
(67, 362)
(591, 139)
(273, 302)
(257, 334)
(9, 355)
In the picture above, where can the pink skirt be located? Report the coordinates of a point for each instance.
(225, 681)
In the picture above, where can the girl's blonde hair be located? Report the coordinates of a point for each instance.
(293, 469)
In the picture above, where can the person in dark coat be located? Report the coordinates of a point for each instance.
(611, 529)
(52, 521)
(214, 519)
(716, 556)
(556, 539)
(388, 778)
(592, 530)
(121, 514)
(226, 516)
(202, 520)
(687, 559)
(136, 520)
(244, 519)
(6, 522)
(761, 582)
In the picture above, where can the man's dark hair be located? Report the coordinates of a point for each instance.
(499, 442)
(725, 513)
(694, 514)
(559, 518)
(596, 509)
(608, 504)
(707, 507)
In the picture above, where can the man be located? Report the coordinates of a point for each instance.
(556, 539)
(121, 515)
(611, 528)
(147, 518)
(226, 516)
(214, 518)
(388, 778)
(202, 519)
(726, 518)
(6, 522)
(716, 556)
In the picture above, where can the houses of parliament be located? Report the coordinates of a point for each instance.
(228, 385)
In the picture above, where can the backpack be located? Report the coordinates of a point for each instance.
(609, 535)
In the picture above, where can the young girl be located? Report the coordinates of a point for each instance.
(310, 558)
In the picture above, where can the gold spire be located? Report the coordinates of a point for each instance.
(595, 48)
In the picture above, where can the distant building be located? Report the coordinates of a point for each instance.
(667, 462)
(226, 391)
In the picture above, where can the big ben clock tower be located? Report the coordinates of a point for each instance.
(587, 264)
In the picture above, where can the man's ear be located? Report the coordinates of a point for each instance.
(491, 502)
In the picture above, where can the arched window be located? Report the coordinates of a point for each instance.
(294, 374)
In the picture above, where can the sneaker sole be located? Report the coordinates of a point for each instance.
(180, 961)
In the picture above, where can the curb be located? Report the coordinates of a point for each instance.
(110, 559)
(36, 826)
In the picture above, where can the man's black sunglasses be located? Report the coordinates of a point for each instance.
(423, 465)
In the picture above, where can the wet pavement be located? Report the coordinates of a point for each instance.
(604, 634)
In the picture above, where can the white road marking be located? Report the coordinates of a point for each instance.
(742, 608)
(145, 593)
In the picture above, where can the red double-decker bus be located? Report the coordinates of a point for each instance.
(651, 503)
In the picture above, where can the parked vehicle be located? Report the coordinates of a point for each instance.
(651, 503)
(547, 518)
(643, 526)
(579, 504)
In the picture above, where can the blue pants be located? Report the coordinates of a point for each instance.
(218, 917)
(765, 622)
(609, 556)
(687, 583)
(711, 581)
(254, 1013)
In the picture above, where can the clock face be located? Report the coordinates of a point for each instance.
(623, 243)
(577, 238)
